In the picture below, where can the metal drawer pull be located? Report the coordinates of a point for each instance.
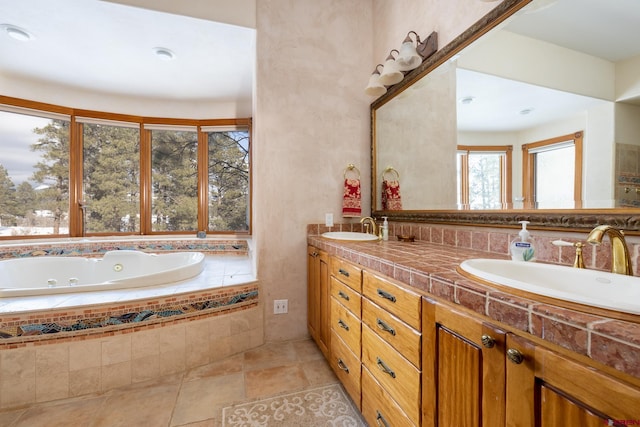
(380, 420)
(343, 272)
(343, 295)
(343, 325)
(515, 356)
(488, 341)
(384, 368)
(342, 366)
(385, 327)
(386, 295)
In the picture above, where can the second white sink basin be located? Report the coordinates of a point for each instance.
(349, 235)
(593, 288)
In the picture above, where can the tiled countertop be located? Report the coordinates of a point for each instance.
(431, 269)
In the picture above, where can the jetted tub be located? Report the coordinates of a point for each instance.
(116, 270)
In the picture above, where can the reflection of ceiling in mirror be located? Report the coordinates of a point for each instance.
(500, 104)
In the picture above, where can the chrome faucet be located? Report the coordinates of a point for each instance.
(620, 259)
(366, 221)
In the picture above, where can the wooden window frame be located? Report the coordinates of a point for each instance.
(76, 167)
(529, 168)
(506, 155)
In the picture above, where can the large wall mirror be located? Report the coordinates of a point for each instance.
(530, 72)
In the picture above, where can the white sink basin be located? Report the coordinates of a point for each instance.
(594, 288)
(349, 235)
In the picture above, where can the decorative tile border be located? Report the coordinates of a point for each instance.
(98, 248)
(36, 326)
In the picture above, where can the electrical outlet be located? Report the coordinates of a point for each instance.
(280, 306)
(328, 219)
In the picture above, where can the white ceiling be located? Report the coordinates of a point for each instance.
(606, 29)
(107, 47)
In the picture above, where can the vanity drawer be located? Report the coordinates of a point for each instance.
(397, 300)
(348, 273)
(401, 336)
(377, 408)
(346, 325)
(395, 373)
(346, 366)
(346, 296)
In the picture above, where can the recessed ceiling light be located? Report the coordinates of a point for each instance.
(17, 33)
(164, 53)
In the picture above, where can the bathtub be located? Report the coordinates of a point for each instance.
(118, 269)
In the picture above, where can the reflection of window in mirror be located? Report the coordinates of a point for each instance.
(552, 173)
(484, 176)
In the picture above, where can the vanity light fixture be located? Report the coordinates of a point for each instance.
(164, 54)
(17, 33)
(390, 73)
(411, 54)
(375, 88)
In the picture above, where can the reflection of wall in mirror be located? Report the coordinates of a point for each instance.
(416, 148)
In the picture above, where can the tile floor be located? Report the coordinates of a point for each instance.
(194, 398)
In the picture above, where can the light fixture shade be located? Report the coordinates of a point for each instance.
(408, 58)
(390, 73)
(375, 88)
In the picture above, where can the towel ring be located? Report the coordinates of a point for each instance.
(389, 169)
(351, 168)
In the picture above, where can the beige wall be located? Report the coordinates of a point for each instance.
(311, 121)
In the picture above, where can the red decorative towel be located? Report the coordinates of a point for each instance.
(391, 200)
(351, 201)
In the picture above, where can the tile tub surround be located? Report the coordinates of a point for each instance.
(92, 365)
(431, 269)
(96, 341)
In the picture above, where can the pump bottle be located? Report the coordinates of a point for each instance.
(385, 229)
(522, 248)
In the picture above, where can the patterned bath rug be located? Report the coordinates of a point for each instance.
(323, 406)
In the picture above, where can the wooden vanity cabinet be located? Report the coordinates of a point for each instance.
(318, 298)
(547, 389)
(408, 360)
(463, 366)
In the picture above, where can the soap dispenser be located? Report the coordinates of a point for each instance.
(385, 229)
(522, 248)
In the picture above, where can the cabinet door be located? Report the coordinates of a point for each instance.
(547, 389)
(325, 302)
(313, 292)
(318, 298)
(463, 369)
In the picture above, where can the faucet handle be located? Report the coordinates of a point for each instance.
(578, 262)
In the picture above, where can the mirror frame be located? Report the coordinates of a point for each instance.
(551, 219)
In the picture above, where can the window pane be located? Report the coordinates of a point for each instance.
(174, 179)
(229, 180)
(111, 180)
(554, 176)
(34, 188)
(484, 180)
